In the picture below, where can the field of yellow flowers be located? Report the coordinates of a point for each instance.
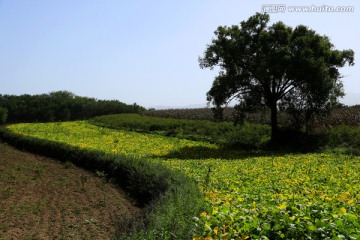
(87, 136)
(302, 196)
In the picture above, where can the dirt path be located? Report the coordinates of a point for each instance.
(41, 198)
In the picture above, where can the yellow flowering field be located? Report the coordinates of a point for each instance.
(85, 135)
(302, 196)
(286, 197)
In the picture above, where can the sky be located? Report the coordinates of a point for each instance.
(139, 51)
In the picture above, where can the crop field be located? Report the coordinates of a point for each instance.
(293, 196)
(279, 197)
(84, 135)
(342, 116)
(41, 198)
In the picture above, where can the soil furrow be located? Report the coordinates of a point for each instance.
(41, 198)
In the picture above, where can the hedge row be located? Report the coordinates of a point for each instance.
(169, 198)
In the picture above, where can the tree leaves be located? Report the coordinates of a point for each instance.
(274, 65)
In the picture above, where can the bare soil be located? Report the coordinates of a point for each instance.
(41, 198)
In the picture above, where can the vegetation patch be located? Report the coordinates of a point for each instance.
(58, 106)
(345, 136)
(303, 196)
(3, 115)
(170, 198)
(344, 115)
(282, 196)
(229, 137)
(224, 134)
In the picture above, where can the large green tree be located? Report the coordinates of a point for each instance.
(274, 66)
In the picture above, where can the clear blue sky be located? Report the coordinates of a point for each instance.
(140, 51)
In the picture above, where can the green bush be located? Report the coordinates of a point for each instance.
(249, 136)
(296, 141)
(3, 115)
(344, 137)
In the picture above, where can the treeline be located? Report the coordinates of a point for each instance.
(59, 106)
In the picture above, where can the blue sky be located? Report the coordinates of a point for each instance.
(140, 51)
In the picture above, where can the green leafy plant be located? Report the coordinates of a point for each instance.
(282, 196)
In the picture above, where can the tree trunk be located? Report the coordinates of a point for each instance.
(274, 122)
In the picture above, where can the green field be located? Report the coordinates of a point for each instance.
(282, 196)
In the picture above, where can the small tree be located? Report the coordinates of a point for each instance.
(274, 65)
(3, 115)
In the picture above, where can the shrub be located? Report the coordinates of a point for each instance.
(344, 136)
(249, 136)
(3, 115)
(291, 140)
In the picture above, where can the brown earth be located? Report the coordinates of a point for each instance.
(41, 198)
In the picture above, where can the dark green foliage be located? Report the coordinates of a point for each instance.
(3, 115)
(296, 141)
(342, 139)
(60, 106)
(345, 137)
(275, 66)
(189, 129)
(188, 113)
(170, 199)
(251, 136)
(170, 217)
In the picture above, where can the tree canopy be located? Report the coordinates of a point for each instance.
(58, 106)
(274, 66)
